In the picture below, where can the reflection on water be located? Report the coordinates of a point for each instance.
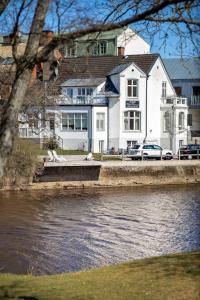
(50, 232)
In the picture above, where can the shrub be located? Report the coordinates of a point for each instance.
(51, 143)
(22, 165)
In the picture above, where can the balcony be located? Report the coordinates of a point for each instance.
(99, 100)
(194, 102)
(176, 101)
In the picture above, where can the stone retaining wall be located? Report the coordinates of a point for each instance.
(93, 175)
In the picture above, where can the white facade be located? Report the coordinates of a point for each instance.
(132, 43)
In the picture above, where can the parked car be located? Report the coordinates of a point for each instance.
(190, 151)
(146, 151)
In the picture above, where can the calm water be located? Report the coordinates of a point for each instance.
(50, 232)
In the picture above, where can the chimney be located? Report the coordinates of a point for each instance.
(121, 51)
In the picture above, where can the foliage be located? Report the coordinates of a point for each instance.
(22, 164)
(51, 143)
(174, 277)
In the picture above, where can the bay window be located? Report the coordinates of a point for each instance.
(74, 122)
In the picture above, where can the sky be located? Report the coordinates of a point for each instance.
(162, 38)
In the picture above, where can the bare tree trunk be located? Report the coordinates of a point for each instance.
(25, 64)
(9, 128)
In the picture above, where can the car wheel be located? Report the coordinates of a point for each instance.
(168, 156)
(145, 156)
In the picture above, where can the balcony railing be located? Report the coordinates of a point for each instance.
(177, 101)
(194, 102)
(82, 100)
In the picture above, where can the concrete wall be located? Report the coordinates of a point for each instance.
(144, 174)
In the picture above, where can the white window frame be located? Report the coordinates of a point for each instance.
(164, 89)
(132, 88)
(100, 48)
(71, 51)
(71, 118)
(166, 121)
(181, 120)
(100, 121)
(134, 118)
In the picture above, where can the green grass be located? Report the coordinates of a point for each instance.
(63, 152)
(172, 277)
(97, 156)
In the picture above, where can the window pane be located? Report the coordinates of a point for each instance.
(84, 124)
(131, 124)
(131, 113)
(134, 82)
(126, 124)
(134, 91)
(77, 124)
(71, 124)
(129, 91)
(137, 124)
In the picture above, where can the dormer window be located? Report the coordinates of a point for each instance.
(132, 88)
(71, 51)
(100, 48)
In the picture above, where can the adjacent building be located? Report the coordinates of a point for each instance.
(185, 77)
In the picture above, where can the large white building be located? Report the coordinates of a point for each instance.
(114, 101)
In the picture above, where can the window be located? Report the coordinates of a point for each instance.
(100, 121)
(189, 119)
(178, 90)
(132, 120)
(130, 144)
(180, 143)
(181, 121)
(196, 90)
(71, 51)
(132, 88)
(74, 121)
(100, 48)
(84, 92)
(70, 92)
(164, 89)
(52, 123)
(167, 121)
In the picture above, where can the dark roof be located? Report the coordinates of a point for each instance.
(101, 66)
(183, 68)
(83, 82)
(120, 68)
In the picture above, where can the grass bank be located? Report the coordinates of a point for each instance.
(171, 277)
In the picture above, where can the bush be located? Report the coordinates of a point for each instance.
(22, 165)
(50, 143)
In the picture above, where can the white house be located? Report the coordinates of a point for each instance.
(114, 102)
(185, 76)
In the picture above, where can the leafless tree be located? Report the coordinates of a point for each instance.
(149, 15)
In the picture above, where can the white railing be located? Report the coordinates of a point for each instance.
(195, 102)
(82, 100)
(174, 101)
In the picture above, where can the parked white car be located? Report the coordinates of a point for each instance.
(145, 151)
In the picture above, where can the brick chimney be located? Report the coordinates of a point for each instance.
(121, 51)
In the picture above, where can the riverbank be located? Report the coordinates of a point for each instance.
(77, 173)
(171, 277)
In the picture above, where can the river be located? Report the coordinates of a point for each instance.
(47, 232)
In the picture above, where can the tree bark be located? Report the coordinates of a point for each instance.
(9, 122)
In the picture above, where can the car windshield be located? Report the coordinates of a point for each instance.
(136, 147)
